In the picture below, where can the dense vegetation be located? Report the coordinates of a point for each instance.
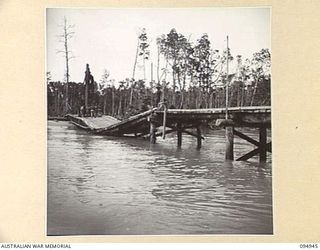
(193, 76)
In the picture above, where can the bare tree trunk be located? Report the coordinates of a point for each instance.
(196, 98)
(125, 100)
(210, 100)
(67, 61)
(242, 95)
(57, 103)
(199, 98)
(254, 92)
(238, 96)
(180, 87)
(183, 89)
(135, 61)
(151, 86)
(112, 104)
(207, 99)
(158, 66)
(164, 82)
(163, 91)
(65, 36)
(144, 67)
(105, 104)
(181, 99)
(173, 89)
(131, 93)
(120, 100)
(231, 94)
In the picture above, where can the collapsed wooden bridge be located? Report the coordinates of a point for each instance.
(161, 121)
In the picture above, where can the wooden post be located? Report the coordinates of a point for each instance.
(164, 120)
(199, 137)
(153, 132)
(263, 143)
(179, 134)
(229, 143)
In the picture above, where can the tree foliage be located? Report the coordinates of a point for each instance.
(197, 80)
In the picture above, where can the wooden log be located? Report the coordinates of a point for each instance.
(263, 143)
(179, 134)
(153, 129)
(199, 137)
(229, 143)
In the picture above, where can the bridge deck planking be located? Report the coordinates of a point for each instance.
(101, 122)
(93, 123)
(242, 116)
(251, 109)
(132, 119)
(108, 125)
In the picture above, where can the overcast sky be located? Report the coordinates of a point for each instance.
(107, 38)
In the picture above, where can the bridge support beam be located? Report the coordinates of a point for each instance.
(262, 146)
(229, 143)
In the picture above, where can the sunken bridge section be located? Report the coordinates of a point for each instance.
(161, 121)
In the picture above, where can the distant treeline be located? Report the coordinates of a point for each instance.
(126, 100)
(187, 75)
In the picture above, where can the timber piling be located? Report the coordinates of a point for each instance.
(185, 121)
(263, 143)
(229, 143)
(153, 129)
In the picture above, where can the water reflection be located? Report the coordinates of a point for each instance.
(106, 185)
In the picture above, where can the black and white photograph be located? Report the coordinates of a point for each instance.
(158, 121)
